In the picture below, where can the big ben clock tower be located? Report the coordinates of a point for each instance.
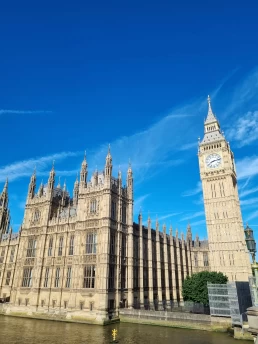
(228, 251)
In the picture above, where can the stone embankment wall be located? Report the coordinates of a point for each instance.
(77, 317)
(175, 319)
(160, 318)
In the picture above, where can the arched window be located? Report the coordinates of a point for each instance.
(93, 206)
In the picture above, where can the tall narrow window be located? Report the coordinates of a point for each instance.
(113, 210)
(123, 277)
(27, 277)
(12, 254)
(2, 255)
(46, 278)
(123, 246)
(8, 278)
(57, 279)
(60, 247)
(36, 216)
(93, 206)
(89, 276)
(91, 243)
(124, 214)
(205, 259)
(68, 277)
(50, 247)
(196, 259)
(111, 277)
(112, 244)
(71, 245)
(31, 249)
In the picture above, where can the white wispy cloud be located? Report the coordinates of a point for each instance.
(247, 167)
(194, 191)
(151, 150)
(244, 95)
(190, 216)
(197, 223)
(25, 168)
(22, 112)
(161, 218)
(188, 146)
(138, 203)
(248, 192)
(245, 129)
(249, 201)
(252, 216)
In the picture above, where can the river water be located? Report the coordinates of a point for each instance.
(29, 331)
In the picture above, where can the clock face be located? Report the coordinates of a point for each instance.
(213, 160)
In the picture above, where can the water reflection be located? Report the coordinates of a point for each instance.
(27, 331)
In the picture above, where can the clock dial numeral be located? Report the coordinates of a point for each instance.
(213, 160)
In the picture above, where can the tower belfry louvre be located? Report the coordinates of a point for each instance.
(227, 248)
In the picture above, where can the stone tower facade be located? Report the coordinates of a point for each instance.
(4, 211)
(227, 247)
(82, 257)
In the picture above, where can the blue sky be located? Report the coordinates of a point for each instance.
(135, 75)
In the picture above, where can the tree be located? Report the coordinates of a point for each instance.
(195, 287)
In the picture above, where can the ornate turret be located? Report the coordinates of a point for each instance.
(140, 219)
(84, 172)
(119, 178)
(4, 196)
(76, 191)
(64, 194)
(32, 185)
(41, 189)
(4, 211)
(170, 231)
(157, 225)
(51, 179)
(149, 223)
(189, 235)
(130, 177)
(108, 166)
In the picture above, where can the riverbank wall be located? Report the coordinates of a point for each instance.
(176, 319)
(57, 315)
(156, 318)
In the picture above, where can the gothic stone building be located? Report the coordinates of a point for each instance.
(82, 258)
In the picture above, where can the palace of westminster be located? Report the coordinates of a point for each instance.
(83, 256)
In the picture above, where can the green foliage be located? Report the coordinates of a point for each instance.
(195, 287)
